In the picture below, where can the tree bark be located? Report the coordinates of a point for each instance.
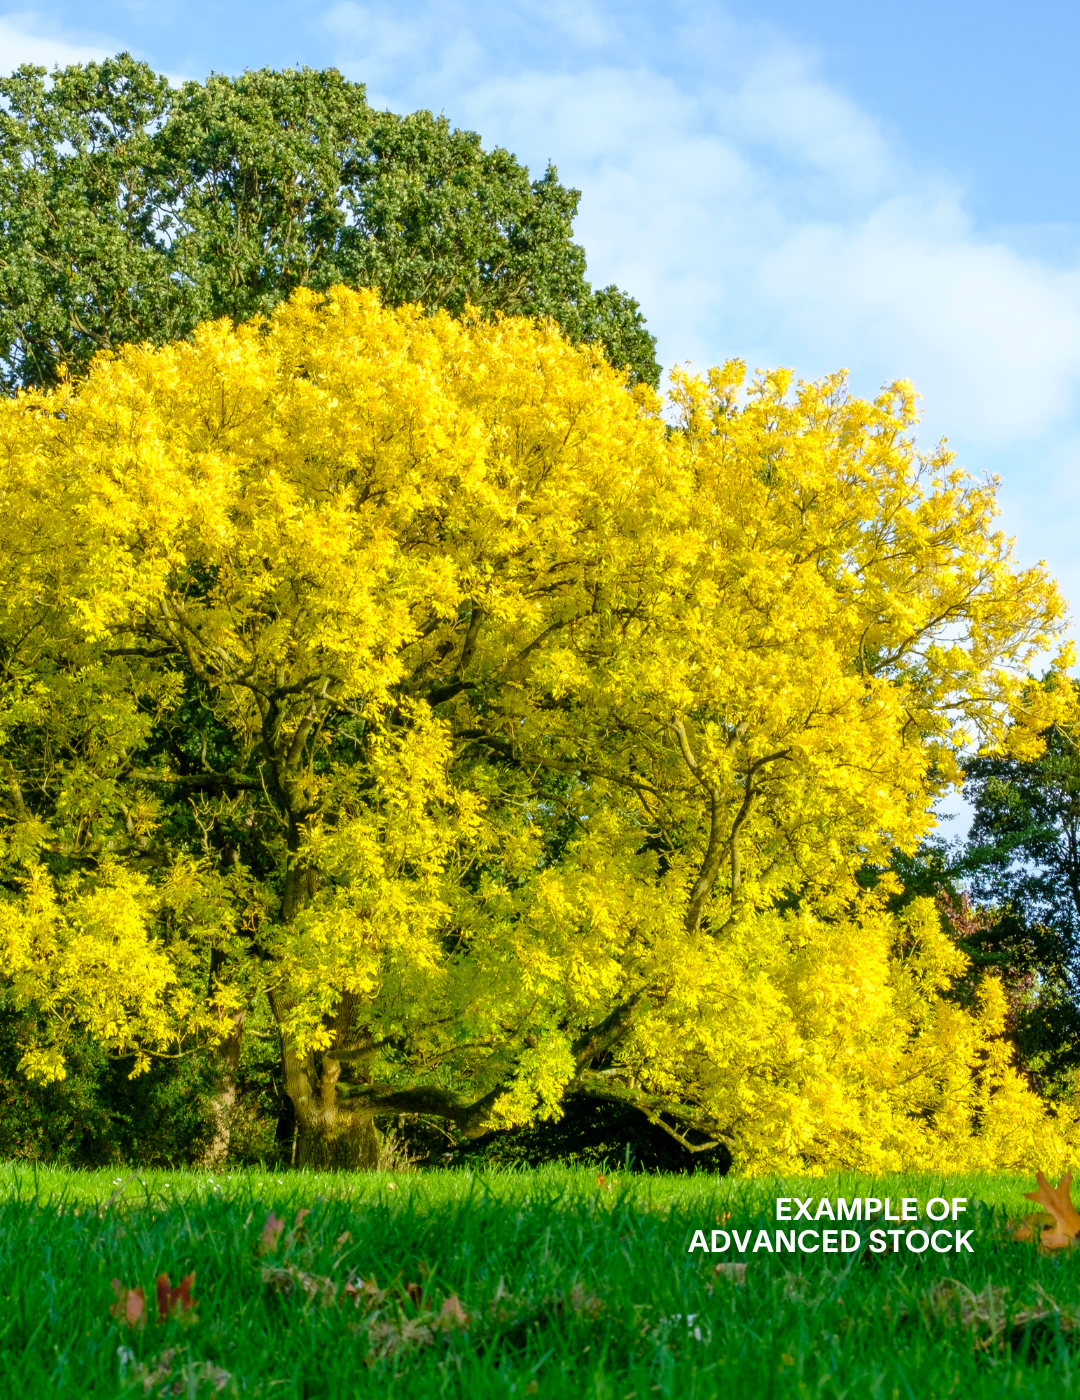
(332, 1133)
(223, 1104)
(227, 1057)
(344, 1141)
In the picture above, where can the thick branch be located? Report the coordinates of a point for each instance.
(195, 780)
(598, 1086)
(470, 1117)
(600, 1039)
(710, 866)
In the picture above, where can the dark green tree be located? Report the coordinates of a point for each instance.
(130, 211)
(1021, 863)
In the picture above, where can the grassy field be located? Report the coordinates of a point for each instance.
(499, 1284)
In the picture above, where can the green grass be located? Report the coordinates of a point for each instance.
(569, 1290)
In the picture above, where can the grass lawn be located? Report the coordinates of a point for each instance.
(478, 1284)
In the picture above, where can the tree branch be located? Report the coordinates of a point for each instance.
(599, 1086)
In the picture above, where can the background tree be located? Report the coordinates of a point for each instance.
(408, 675)
(1021, 862)
(132, 211)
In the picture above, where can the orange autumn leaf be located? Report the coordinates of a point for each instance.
(1058, 1202)
(452, 1314)
(130, 1305)
(169, 1299)
(1032, 1226)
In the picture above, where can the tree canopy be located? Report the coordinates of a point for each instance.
(130, 211)
(511, 740)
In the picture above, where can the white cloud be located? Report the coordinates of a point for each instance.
(23, 40)
(993, 336)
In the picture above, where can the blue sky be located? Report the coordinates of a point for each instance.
(891, 190)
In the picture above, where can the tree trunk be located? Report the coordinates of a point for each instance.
(347, 1142)
(332, 1134)
(223, 1105)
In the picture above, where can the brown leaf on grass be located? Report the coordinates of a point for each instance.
(415, 1293)
(364, 1292)
(1040, 1226)
(1031, 1227)
(388, 1337)
(1064, 1225)
(316, 1288)
(271, 1233)
(130, 1305)
(735, 1272)
(170, 1300)
(452, 1314)
(343, 1239)
(272, 1230)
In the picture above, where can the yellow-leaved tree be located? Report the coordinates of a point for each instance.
(414, 677)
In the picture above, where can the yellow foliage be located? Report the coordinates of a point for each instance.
(512, 739)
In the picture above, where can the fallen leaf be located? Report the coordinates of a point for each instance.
(452, 1314)
(316, 1288)
(389, 1337)
(169, 1298)
(1056, 1200)
(271, 1233)
(344, 1238)
(365, 1291)
(157, 1371)
(130, 1305)
(1033, 1225)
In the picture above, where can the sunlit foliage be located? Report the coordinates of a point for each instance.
(512, 738)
